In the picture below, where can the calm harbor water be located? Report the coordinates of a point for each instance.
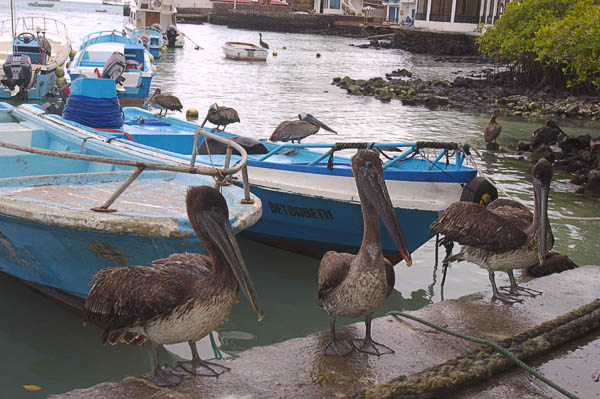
(44, 345)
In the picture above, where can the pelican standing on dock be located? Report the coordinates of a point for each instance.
(262, 44)
(504, 236)
(493, 128)
(356, 285)
(164, 102)
(221, 116)
(305, 126)
(181, 298)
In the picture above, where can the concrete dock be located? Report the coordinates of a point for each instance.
(297, 368)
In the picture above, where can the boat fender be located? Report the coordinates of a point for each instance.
(480, 191)
(59, 72)
(156, 4)
(191, 114)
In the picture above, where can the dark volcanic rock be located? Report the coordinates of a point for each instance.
(554, 263)
(593, 184)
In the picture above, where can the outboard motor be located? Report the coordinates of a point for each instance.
(17, 74)
(114, 68)
(171, 35)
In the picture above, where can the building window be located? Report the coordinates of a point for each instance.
(441, 10)
(422, 10)
(467, 11)
(334, 4)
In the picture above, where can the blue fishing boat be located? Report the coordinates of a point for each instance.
(310, 201)
(101, 51)
(152, 38)
(71, 204)
(32, 57)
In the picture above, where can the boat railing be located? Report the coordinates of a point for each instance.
(97, 37)
(43, 24)
(219, 174)
(411, 149)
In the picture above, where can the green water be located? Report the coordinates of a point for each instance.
(44, 345)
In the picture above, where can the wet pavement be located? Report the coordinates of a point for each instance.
(297, 368)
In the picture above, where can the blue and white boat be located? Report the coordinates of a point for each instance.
(152, 40)
(308, 207)
(97, 49)
(29, 58)
(58, 226)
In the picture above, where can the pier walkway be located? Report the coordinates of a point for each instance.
(297, 368)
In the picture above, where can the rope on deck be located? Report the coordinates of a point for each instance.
(345, 146)
(482, 364)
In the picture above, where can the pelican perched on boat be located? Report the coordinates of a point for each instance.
(504, 236)
(221, 116)
(181, 298)
(260, 41)
(547, 134)
(356, 285)
(305, 126)
(493, 128)
(164, 102)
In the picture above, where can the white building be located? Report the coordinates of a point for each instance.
(398, 10)
(457, 15)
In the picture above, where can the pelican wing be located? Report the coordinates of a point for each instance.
(293, 130)
(492, 131)
(228, 115)
(513, 211)
(333, 269)
(471, 224)
(127, 296)
(169, 102)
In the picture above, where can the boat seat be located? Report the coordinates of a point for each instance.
(250, 144)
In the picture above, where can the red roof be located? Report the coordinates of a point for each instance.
(273, 2)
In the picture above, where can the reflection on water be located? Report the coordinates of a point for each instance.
(46, 346)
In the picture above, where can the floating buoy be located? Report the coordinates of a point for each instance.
(275, 53)
(318, 55)
(191, 114)
(196, 47)
(61, 82)
(32, 387)
(72, 54)
(284, 47)
(59, 72)
(151, 57)
(163, 49)
(154, 68)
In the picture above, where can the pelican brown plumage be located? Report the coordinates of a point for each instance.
(547, 134)
(182, 297)
(504, 235)
(260, 41)
(221, 116)
(356, 285)
(493, 128)
(305, 126)
(164, 102)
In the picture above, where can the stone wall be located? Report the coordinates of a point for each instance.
(434, 42)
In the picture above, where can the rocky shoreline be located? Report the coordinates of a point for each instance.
(495, 90)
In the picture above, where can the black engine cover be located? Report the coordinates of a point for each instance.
(114, 67)
(17, 72)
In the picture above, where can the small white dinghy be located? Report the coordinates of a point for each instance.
(244, 52)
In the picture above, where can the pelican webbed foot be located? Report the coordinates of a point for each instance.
(339, 348)
(518, 291)
(373, 348)
(203, 368)
(166, 376)
(508, 299)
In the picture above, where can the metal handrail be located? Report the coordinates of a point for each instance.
(44, 21)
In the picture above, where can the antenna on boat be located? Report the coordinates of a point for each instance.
(13, 23)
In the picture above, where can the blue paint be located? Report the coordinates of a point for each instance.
(155, 41)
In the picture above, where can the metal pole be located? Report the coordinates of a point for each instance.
(246, 199)
(13, 22)
(119, 191)
(195, 149)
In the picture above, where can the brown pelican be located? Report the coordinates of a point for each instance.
(305, 126)
(493, 128)
(221, 116)
(164, 102)
(356, 285)
(504, 236)
(262, 44)
(547, 134)
(181, 298)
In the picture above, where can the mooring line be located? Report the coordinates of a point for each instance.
(494, 345)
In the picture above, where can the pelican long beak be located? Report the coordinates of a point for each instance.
(205, 119)
(315, 121)
(220, 230)
(541, 208)
(372, 183)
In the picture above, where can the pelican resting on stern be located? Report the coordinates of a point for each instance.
(221, 116)
(260, 41)
(182, 297)
(493, 128)
(356, 285)
(305, 126)
(164, 102)
(504, 235)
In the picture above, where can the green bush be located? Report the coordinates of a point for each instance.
(553, 42)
